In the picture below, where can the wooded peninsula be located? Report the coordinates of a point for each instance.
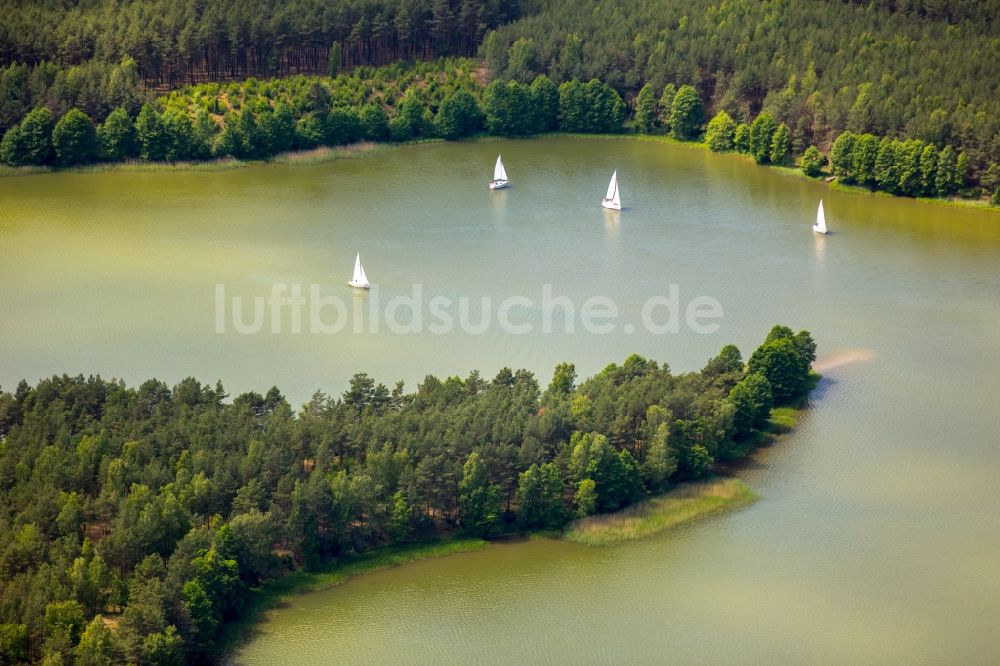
(136, 522)
(894, 96)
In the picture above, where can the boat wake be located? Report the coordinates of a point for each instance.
(841, 358)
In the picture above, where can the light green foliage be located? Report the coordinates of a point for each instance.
(947, 180)
(459, 116)
(752, 400)
(75, 139)
(961, 170)
(508, 108)
(784, 360)
(495, 54)
(720, 133)
(151, 134)
(563, 381)
(374, 122)
(841, 155)
(411, 112)
(886, 167)
(570, 58)
(30, 142)
(65, 618)
(864, 159)
(210, 499)
(645, 109)
(928, 170)
(343, 126)
(813, 162)
(761, 134)
(666, 104)
(13, 643)
(478, 500)
(605, 110)
(539, 496)
(164, 648)
(685, 113)
(681, 505)
(615, 474)
(780, 146)
(117, 137)
(909, 167)
(741, 138)
(545, 100)
(697, 462)
(660, 460)
(97, 645)
(585, 498)
(180, 136)
(401, 522)
(572, 103)
(589, 107)
(276, 130)
(521, 61)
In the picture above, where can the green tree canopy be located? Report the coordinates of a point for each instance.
(75, 139)
(720, 133)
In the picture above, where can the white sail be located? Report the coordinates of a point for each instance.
(359, 279)
(613, 198)
(499, 173)
(820, 226)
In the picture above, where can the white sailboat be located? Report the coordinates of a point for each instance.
(360, 280)
(500, 180)
(613, 199)
(820, 226)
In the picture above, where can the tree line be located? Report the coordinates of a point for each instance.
(186, 42)
(917, 69)
(448, 99)
(255, 119)
(134, 522)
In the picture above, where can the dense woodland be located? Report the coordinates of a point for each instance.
(905, 69)
(913, 70)
(135, 521)
(186, 42)
(447, 99)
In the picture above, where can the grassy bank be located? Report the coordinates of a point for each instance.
(281, 590)
(319, 155)
(686, 503)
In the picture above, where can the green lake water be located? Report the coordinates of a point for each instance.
(877, 536)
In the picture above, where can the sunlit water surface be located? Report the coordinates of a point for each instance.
(877, 536)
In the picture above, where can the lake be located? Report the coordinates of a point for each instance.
(877, 534)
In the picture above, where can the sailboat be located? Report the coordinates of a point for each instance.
(360, 280)
(500, 180)
(613, 199)
(820, 226)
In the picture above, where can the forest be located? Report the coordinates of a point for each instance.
(902, 72)
(135, 522)
(902, 69)
(177, 43)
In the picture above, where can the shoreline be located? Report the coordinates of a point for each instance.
(325, 154)
(684, 504)
(279, 591)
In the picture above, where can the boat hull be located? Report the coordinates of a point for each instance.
(359, 285)
(611, 205)
(818, 230)
(499, 184)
